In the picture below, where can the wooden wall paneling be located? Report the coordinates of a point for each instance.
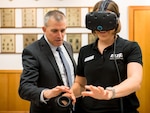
(139, 30)
(3, 92)
(11, 102)
(18, 104)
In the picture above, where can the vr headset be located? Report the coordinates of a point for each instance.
(102, 20)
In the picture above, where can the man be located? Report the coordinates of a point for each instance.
(44, 78)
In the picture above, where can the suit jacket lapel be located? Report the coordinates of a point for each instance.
(47, 51)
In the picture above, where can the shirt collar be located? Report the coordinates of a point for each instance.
(51, 46)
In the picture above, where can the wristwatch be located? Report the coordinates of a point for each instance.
(113, 91)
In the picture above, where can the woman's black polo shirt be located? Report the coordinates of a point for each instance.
(100, 70)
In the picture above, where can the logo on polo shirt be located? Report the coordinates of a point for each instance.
(116, 56)
(89, 58)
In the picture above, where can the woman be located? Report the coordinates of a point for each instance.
(109, 71)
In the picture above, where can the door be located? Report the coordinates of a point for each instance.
(139, 30)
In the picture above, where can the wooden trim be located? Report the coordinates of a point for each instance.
(14, 111)
(10, 71)
(131, 23)
(131, 10)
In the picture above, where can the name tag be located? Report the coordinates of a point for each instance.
(89, 58)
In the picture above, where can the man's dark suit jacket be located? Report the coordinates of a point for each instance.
(40, 71)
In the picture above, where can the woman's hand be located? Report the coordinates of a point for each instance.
(97, 92)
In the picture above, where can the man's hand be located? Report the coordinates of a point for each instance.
(50, 93)
(71, 96)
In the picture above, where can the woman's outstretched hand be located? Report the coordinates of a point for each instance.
(97, 92)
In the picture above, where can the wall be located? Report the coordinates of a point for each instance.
(13, 61)
(10, 100)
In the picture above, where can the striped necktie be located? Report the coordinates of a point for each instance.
(66, 66)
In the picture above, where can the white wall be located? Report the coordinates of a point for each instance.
(13, 61)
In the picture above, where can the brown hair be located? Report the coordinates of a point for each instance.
(112, 6)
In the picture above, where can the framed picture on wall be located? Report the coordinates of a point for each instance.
(29, 17)
(28, 39)
(8, 43)
(75, 40)
(7, 17)
(73, 17)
